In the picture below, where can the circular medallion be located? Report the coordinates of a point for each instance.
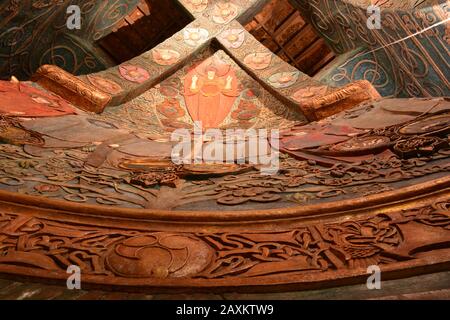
(134, 73)
(159, 255)
(258, 61)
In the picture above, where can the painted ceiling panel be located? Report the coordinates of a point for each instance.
(33, 33)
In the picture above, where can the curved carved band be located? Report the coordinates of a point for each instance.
(41, 245)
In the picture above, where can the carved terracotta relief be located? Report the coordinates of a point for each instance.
(307, 255)
(366, 184)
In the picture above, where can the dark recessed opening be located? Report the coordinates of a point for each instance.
(282, 29)
(152, 22)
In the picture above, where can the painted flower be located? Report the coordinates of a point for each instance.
(225, 12)
(105, 85)
(134, 73)
(196, 5)
(307, 93)
(170, 87)
(258, 61)
(168, 91)
(171, 109)
(194, 37)
(250, 89)
(232, 38)
(283, 79)
(165, 57)
(246, 111)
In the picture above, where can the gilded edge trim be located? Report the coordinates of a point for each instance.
(71, 88)
(339, 100)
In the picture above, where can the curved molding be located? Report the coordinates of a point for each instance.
(385, 199)
(136, 256)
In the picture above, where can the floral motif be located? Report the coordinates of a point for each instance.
(105, 85)
(134, 73)
(246, 111)
(258, 61)
(194, 37)
(166, 57)
(225, 12)
(196, 5)
(305, 94)
(168, 91)
(232, 38)
(283, 79)
(171, 109)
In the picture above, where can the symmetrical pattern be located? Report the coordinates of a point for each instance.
(214, 21)
(368, 184)
(366, 187)
(282, 29)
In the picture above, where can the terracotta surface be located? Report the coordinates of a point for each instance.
(361, 181)
(388, 209)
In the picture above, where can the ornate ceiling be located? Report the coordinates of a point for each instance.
(34, 33)
(88, 175)
(149, 24)
(282, 29)
(406, 57)
(308, 39)
(137, 27)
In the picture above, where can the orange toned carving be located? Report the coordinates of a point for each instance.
(210, 92)
(326, 105)
(83, 95)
